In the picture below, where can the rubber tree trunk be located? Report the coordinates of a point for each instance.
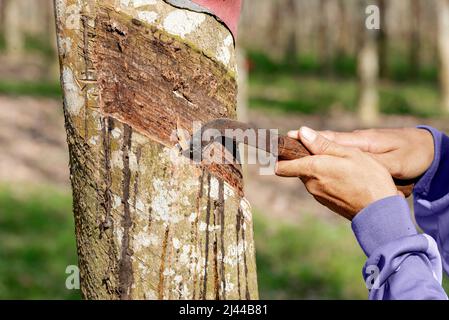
(274, 29)
(2, 15)
(291, 48)
(415, 39)
(344, 30)
(443, 48)
(35, 14)
(324, 43)
(13, 32)
(150, 224)
(368, 70)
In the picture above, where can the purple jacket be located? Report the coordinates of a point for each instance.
(403, 263)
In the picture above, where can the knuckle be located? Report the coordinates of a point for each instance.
(311, 166)
(324, 145)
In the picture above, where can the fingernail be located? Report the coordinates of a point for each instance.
(293, 134)
(308, 134)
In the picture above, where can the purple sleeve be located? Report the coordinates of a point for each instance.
(431, 196)
(402, 264)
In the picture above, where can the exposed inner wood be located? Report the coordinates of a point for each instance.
(156, 83)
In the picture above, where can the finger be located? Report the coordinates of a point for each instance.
(356, 139)
(302, 168)
(319, 145)
(294, 134)
(329, 135)
(308, 167)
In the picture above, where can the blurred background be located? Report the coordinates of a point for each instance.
(301, 62)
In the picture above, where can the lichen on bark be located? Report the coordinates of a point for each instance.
(151, 224)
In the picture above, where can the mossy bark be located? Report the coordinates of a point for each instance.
(150, 224)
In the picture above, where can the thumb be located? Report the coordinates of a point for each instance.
(318, 144)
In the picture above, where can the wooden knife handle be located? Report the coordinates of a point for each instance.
(290, 149)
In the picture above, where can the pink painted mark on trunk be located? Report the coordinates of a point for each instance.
(227, 10)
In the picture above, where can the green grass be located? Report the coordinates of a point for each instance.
(342, 66)
(41, 45)
(34, 44)
(305, 95)
(38, 89)
(317, 95)
(301, 85)
(313, 259)
(37, 243)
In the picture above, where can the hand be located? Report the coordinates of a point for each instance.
(344, 179)
(406, 153)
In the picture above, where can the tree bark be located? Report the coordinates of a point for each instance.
(13, 32)
(150, 224)
(443, 48)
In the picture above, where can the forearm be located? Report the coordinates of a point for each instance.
(431, 196)
(401, 263)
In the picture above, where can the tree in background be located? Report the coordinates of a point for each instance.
(443, 47)
(344, 35)
(368, 72)
(275, 27)
(2, 14)
(150, 224)
(291, 52)
(12, 28)
(382, 40)
(324, 43)
(35, 16)
(415, 39)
